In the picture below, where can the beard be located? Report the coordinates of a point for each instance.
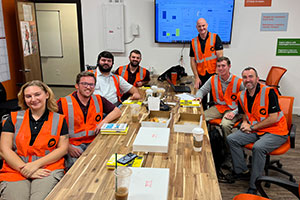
(102, 69)
(134, 64)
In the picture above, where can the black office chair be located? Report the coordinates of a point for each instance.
(288, 185)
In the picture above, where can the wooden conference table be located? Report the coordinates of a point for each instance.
(192, 174)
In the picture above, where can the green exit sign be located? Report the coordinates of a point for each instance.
(288, 47)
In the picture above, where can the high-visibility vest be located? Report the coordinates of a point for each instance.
(260, 111)
(116, 79)
(207, 61)
(80, 131)
(45, 142)
(228, 100)
(139, 76)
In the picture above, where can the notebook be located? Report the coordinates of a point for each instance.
(179, 88)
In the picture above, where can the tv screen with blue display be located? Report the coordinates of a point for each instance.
(175, 20)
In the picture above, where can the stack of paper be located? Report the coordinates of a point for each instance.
(128, 102)
(189, 103)
(112, 128)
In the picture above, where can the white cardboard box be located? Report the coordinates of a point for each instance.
(152, 139)
(166, 116)
(149, 184)
(187, 122)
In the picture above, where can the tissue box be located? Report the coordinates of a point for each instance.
(187, 122)
(152, 139)
(162, 119)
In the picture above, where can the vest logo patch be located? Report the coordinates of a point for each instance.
(212, 48)
(51, 142)
(98, 118)
(263, 111)
(233, 97)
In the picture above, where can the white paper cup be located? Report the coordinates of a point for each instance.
(198, 133)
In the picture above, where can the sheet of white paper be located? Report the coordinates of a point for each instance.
(185, 96)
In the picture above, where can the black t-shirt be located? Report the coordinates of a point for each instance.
(218, 45)
(273, 101)
(35, 126)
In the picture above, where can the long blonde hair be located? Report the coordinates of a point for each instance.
(51, 102)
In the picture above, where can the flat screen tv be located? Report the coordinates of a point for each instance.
(175, 20)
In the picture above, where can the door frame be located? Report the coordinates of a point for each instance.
(79, 27)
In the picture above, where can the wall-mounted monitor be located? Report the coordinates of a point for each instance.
(175, 20)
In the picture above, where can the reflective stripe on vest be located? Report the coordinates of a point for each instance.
(141, 73)
(20, 117)
(71, 118)
(123, 71)
(196, 51)
(34, 157)
(234, 90)
(216, 79)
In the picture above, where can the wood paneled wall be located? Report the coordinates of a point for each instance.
(9, 10)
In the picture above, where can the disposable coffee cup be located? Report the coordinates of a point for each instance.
(122, 182)
(174, 77)
(154, 89)
(149, 93)
(135, 111)
(198, 133)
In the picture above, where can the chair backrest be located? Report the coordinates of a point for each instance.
(275, 75)
(286, 105)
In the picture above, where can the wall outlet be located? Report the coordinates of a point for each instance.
(135, 29)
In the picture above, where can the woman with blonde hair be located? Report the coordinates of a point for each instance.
(33, 144)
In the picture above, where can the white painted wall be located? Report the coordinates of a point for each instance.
(249, 46)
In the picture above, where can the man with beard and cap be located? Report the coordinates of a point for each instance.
(109, 85)
(205, 49)
(264, 124)
(84, 115)
(133, 73)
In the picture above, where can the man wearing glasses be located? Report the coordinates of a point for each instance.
(84, 115)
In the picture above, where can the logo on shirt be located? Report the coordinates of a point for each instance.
(98, 118)
(51, 142)
(212, 48)
(263, 111)
(233, 97)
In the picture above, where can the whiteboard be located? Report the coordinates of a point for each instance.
(49, 32)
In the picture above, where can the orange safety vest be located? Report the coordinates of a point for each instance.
(116, 81)
(260, 111)
(80, 131)
(227, 101)
(206, 62)
(139, 76)
(45, 142)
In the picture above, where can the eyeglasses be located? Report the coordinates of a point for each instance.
(85, 84)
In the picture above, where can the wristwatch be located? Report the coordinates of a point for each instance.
(252, 127)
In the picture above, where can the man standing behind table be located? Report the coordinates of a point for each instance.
(109, 85)
(204, 51)
(133, 73)
(84, 114)
(263, 124)
(225, 87)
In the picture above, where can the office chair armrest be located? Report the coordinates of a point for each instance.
(288, 185)
(262, 81)
(292, 134)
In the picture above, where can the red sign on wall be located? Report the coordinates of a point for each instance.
(258, 3)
